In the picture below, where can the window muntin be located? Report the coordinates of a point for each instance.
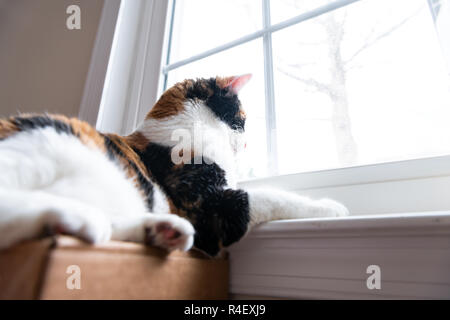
(286, 9)
(199, 25)
(248, 57)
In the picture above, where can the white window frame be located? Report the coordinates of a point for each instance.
(93, 87)
(397, 207)
(132, 78)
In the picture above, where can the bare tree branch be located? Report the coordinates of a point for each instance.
(368, 43)
(319, 86)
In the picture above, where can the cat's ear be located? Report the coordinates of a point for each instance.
(236, 83)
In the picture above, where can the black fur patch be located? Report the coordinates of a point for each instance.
(220, 216)
(222, 102)
(37, 122)
(144, 183)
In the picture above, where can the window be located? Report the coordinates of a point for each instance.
(336, 83)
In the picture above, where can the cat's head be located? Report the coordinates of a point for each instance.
(210, 103)
(219, 94)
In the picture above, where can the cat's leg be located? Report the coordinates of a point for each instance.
(268, 204)
(28, 214)
(166, 231)
(227, 217)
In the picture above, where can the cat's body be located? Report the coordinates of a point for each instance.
(62, 175)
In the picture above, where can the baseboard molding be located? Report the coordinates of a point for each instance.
(328, 258)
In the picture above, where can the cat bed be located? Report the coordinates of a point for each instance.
(66, 268)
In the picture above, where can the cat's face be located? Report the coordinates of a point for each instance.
(212, 102)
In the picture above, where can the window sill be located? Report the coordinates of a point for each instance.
(327, 258)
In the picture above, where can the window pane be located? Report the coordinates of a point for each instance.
(361, 85)
(200, 25)
(247, 58)
(281, 10)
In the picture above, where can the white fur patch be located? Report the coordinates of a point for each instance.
(218, 141)
(60, 164)
(271, 204)
(49, 179)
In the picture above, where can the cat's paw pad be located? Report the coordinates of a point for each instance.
(333, 208)
(171, 232)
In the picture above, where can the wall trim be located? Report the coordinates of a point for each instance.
(327, 258)
(93, 87)
(134, 69)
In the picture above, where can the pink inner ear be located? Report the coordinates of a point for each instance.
(238, 82)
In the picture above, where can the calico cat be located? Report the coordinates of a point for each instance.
(63, 176)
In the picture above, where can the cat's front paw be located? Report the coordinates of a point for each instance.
(333, 208)
(170, 232)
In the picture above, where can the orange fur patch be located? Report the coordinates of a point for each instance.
(7, 128)
(137, 140)
(87, 134)
(129, 154)
(171, 102)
